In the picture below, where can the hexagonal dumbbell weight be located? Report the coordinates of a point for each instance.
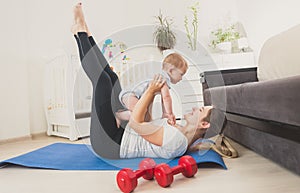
(164, 174)
(127, 178)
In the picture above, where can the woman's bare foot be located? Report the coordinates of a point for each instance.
(80, 25)
(87, 30)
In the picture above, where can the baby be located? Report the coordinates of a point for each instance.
(174, 67)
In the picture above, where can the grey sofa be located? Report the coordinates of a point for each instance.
(263, 116)
(260, 107)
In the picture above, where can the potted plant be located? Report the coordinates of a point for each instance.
(223, 37)
(192, 33)
(164, 37)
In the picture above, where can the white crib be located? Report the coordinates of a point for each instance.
(67, 95)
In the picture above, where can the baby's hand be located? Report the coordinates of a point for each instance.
(171, 118)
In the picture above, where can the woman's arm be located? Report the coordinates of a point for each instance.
(150, 132)
(140, 109)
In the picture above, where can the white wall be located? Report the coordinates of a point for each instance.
(38, 28)
(263, 19)
(49, 29)
(34, 29)
(14, 113)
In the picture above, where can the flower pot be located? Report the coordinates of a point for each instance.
(224, 47)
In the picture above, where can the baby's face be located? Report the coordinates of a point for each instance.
(176, 74)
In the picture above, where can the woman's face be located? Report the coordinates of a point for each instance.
(197, 115)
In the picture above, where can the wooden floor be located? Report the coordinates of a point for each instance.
(250, 173)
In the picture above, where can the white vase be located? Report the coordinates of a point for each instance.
(224, 47)
(242, 43)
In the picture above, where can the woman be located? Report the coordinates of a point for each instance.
(158, 138)
(141, 139)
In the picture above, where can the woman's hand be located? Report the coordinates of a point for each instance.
(156, 84)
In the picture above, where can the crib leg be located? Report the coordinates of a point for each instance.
(49, 130)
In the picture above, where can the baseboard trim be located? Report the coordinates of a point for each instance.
(16, 139)
(38, 135)
(23, 138)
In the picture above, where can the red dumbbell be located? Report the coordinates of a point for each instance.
(164, 174)
(127, 178)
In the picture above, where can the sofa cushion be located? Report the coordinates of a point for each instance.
(276, 100)
(279, 57)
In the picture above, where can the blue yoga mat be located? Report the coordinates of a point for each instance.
(65, 156)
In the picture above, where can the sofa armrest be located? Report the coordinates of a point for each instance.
(216, 78)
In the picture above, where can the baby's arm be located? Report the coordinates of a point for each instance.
(167, 104)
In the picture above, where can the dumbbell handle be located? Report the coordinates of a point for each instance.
(140, 173)
(177, 169)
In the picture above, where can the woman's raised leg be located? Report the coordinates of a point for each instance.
(104, 129)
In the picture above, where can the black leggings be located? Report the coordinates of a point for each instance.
(104, 134)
